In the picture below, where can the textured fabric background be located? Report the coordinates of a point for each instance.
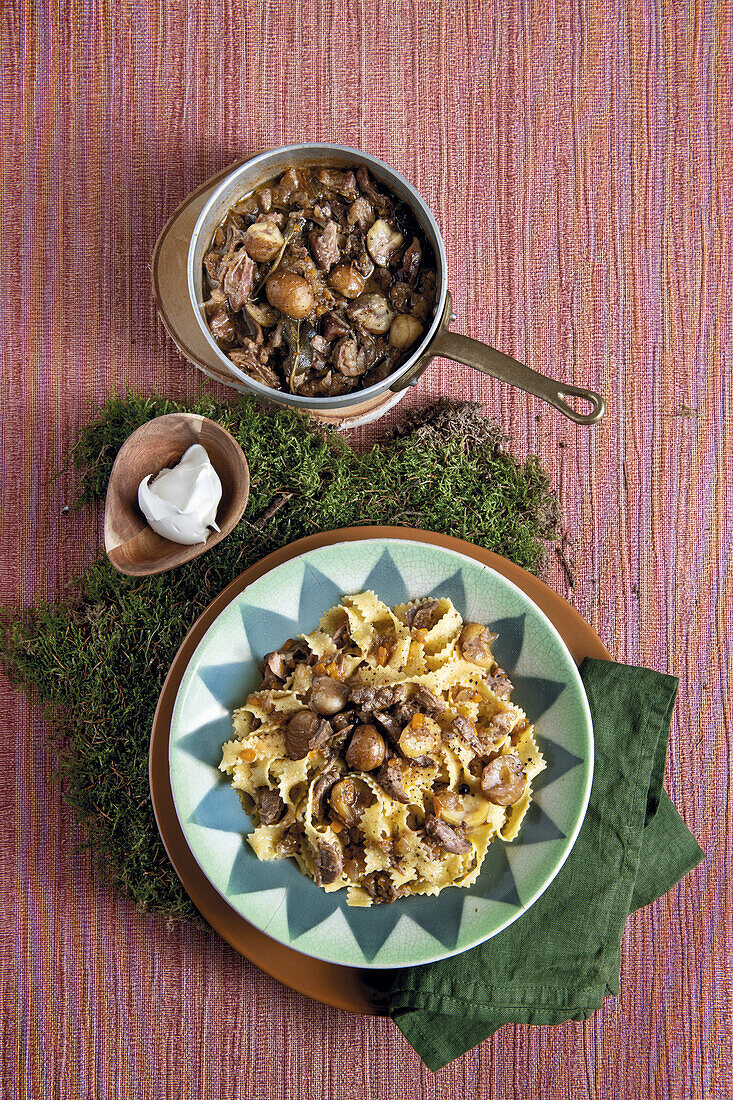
(578, 158)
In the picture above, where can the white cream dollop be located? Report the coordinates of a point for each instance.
(180, 504)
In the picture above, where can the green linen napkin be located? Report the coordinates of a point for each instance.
(562, 958)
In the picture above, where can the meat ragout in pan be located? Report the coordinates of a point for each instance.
(320, 282)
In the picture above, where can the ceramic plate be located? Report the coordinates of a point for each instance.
(275, 896)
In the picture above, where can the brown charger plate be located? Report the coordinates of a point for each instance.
(340, 986)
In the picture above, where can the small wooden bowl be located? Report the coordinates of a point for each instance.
(132, 546)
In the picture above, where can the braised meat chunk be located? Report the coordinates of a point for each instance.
(446, 836)
(329, 864)
(271, 807)
(319, 283)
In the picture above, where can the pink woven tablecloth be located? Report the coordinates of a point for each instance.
(578, 159)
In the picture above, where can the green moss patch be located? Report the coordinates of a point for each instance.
(95, 661)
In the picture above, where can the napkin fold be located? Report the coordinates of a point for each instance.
(559, 960)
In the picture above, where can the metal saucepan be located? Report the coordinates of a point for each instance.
(438, 340)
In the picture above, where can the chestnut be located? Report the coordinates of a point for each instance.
(419, 738)
(349, 798)
(261, 313)
(289, 293)
(328, 696)
(457, 809)
(382, 240)
(366, 749)
(405, 331)
(347, 280)
(503, 780)
(263, 240)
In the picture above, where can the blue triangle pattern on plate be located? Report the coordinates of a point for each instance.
(371, 935)
(221, 809)
(454, 589)
(249, 875)
(496, 881)
(538, 827)
(535, 695)
(318, 593)
(441, 917)
(559, 761)
(266, 630)
(229, 684)
(508, 645)
(386, 580)
(307, 904)
(205, 743)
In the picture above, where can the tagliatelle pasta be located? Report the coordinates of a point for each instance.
(382, 751)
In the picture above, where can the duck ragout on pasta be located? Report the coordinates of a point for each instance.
(382, 751)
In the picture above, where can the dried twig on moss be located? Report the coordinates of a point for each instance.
(462, 422)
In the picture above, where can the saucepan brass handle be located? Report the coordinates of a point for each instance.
(463, 349)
